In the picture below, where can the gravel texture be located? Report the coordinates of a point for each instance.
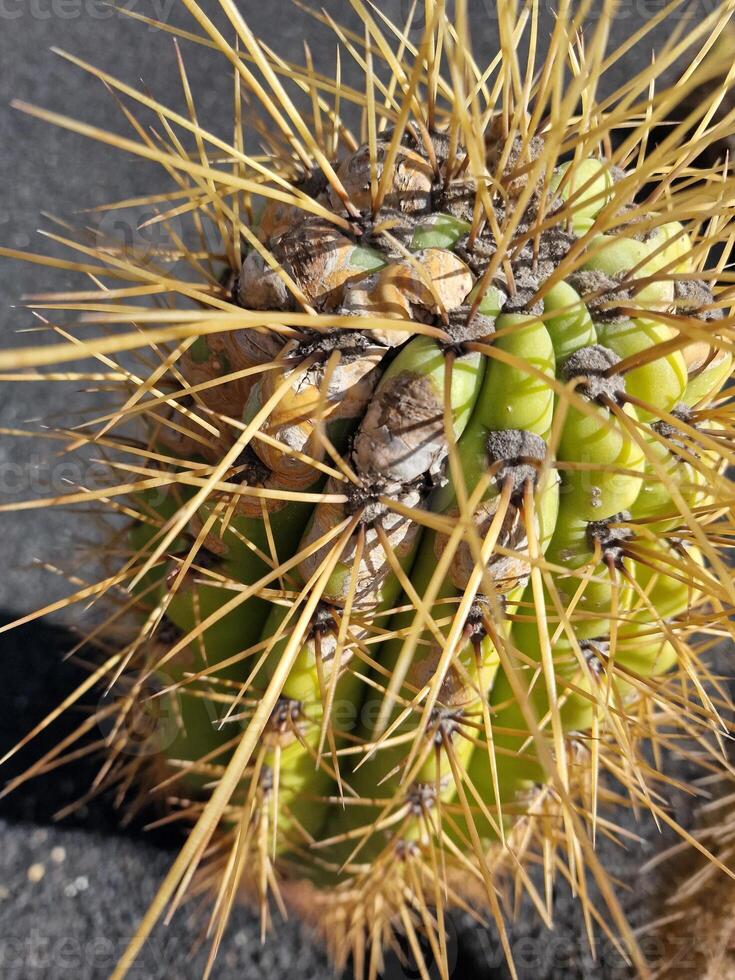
(70, 900)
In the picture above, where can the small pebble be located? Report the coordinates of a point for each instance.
(80, 884)
(36, 872)
(58, 855)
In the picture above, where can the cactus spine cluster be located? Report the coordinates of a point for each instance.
(426, 523)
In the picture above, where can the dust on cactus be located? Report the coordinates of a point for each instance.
(421, 472)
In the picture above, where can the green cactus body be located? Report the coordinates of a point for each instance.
(585, 504)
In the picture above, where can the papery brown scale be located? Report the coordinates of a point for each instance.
(402, 435)
(375, 567)
(228, 397)
(294, 419)
(409, 187)
(506, 571)
(314, 255)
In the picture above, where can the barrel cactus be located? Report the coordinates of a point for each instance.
(424, 508)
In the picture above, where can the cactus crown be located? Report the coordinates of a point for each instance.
(426, 515)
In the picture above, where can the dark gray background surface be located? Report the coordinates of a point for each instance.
(84, 906)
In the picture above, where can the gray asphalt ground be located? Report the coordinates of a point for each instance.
(69, 896)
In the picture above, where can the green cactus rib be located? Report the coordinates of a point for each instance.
(197, 734)
(245, 548)
(516, 381)
(571, 546)
(316, 683)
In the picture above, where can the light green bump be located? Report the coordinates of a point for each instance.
(438, 231)
(588, 187)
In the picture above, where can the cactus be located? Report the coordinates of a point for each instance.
(426, 501)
